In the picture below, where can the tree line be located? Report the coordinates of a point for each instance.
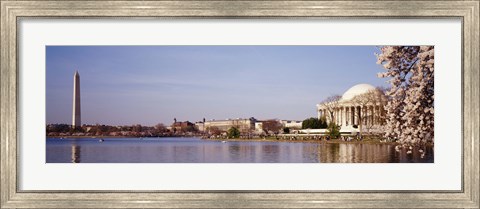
(106, 130)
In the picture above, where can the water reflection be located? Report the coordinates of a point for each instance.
(75, 153)
(192, 150)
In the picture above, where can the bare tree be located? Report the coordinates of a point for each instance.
(330, 104)
(382, 101)
(364, 101)
(214, 130)
(161, 128)
(271, 126)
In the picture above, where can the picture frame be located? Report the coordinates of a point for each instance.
(13, 11)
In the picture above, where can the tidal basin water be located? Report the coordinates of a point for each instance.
(195, 150)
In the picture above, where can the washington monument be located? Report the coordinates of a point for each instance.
(76, 115)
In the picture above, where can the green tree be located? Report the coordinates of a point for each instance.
(233, 132)
(323, 122)
(333, 130)
(314, 123)
(77, 129)
(60, 128)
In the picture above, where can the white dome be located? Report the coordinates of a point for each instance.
(357, 90)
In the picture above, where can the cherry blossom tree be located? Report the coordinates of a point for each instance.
(410, 107)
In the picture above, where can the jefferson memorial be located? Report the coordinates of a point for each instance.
(361, 105)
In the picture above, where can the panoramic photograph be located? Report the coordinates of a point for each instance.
(240, 104)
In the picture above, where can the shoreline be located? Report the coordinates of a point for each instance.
(332, 141)
(97, 137)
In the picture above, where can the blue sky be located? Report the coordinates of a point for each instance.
(124, 85)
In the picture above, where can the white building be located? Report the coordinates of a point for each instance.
(245, 125)
(258, 127)
(200, 126)
(292, 124)
(354, 108)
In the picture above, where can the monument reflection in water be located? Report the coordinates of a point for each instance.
(75, 153)
(194, 150)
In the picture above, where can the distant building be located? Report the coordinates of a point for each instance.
(200, 126)
(258, 127)
(292, 124)
(185, 126)
(244, 125)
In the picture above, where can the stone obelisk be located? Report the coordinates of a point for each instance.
(76, 115)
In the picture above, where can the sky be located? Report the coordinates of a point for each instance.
(126, 85)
